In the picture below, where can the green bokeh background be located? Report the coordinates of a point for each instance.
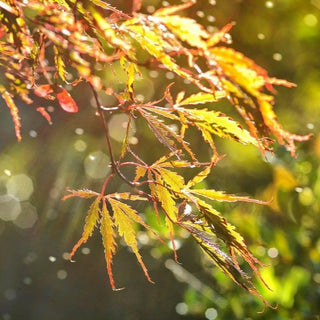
(37, 282)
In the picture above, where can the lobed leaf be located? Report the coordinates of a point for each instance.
(90, 223)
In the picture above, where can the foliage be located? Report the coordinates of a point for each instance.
(46, 44)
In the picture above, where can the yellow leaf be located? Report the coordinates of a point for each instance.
(162, 194)
(202, 97)
(108, 240)
(90, 223)
(221, 196)
(85, 193)
(187, 30)
(199, 177)
(219, 124)
(173, 9)
(154, 44)
(174, 181)
(121, 213)
(140, 172)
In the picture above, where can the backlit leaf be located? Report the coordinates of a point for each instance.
(122, 219)
(108, 240)
(65, 100)
(90, 223)
(14, 112)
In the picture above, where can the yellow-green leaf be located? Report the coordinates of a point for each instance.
(90, 223)
(202, 97)
(108, 239)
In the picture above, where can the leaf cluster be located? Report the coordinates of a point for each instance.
(46, 45)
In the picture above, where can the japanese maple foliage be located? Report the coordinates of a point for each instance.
(79, 34)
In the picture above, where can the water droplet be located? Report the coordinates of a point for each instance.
(96, 165)
(80, 145)
(85, 250)
(200, 14)
(52, 259)
(154, 74)
(27, 280)
(211, 18)
(273, 252)
(269, 4)
(212, 2)
(62, 274)
(65, 255)
(261, 36)
(79, 131)
(211, 313)
(170, 75)
(182, 308)
(33, 133)
(7, 172)
(151, 9)
(310, 126)
(277, 56)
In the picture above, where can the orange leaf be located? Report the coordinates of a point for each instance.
(45, 114)
(43, 91)
(14, 113)
(65, 100)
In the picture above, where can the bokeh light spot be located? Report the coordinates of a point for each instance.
(211, 313)
(96, 165)
(182, 308)
(273, 252)
(62, 274)
(20, 186)
(10, 208)
(118, 126)
(310, 20)
(28, 216)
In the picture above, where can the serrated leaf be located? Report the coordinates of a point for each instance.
(187, 30)
(108, 239)
(199, 177)
(90, 223)
(222, 196)
(218, 124)
(155, 45)
(85, 193)
(121, 214)
(140, 172)
(173, 9)
(126, 196)
(174, 181)
(284, 137)
(14, 112)
(60, 65)
(202, 97)
(45, 114)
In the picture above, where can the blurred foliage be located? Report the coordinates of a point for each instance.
(37, 282)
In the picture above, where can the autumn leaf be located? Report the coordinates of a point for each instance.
(90, 223)
(65, 100)
(108, 239)
(14, 112)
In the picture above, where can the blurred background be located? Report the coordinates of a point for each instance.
(37, 229)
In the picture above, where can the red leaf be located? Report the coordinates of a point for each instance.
(45, 114)
(65, 100)
(43, 91)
